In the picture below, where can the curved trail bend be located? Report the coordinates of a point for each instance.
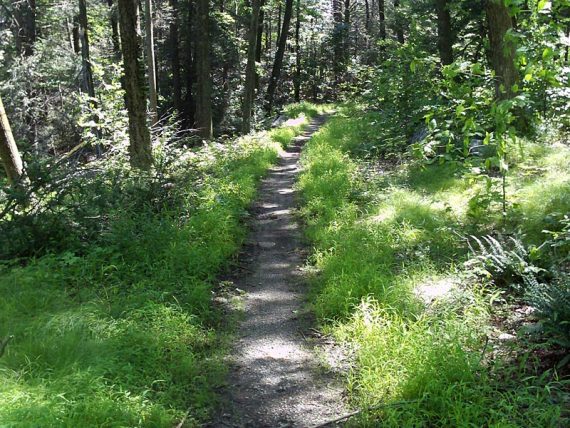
(275, 379)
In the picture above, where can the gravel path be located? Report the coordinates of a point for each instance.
(275, 378)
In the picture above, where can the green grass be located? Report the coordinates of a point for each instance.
(125, 333)
(375, 241)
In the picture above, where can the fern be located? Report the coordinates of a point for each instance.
(552, 304)
(507, 264)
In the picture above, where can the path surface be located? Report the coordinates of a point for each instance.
(275, 379)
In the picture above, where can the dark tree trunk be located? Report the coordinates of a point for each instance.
(444, 32)
(190, 71)
(175, 58)
(25, 14)
(8, 150)
(249, 89)
(367, 14)
(297, 81)
(277, 64)
(75, 35)
(382, 19)
(279, 16)
(399, 23)
(87, 70)
(140, 146)
(502, 51)
(203, 78)
(115, 38)
(259, 45)
(151, 66)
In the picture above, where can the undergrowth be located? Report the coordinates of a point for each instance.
(380, 240)
(119, 329)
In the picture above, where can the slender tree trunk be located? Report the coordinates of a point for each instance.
(115, 38)
(297, 81)
(75, 35)
(259, 45)
(25, 14)
(175, 58)
(367, 14)
(277, 64)
(399, 23)
(444, 32)
(203, 78)
(140, 146)
(8, 149)
(249, 89)
(279, 16)
(502, 51)
(382, 19)
(150, 60)
(87, 70)
(190, 71)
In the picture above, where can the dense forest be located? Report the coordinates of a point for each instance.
(142, 140)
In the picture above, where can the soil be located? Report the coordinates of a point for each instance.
(276, 378)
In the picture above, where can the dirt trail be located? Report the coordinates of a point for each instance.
(275, 378)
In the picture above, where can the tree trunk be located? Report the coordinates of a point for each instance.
(140, 146)
(259, 45)
(203, 78)
(502, 51)
(150, 60)
(297, 81)
(277, 64)
(367, 14)
(175, 58)
(25, 14)
(249, 89)
(399, 23)
(8, 149)
(115, 38)
(382, 19)
(87, 70)
(444, 32)
(190, 71)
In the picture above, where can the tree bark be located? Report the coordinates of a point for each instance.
(259, 45)
(382, 19)
(444, 32)
(25, 14)
(203, 78)
(502, 51)
(151, 66)
(249, 89)
(175, 58)
(297, 80)
(277, 64)
(367, 15)
(87, 70)
(8, 149)
(190, 70)
(115, 38)
(140, 148)
(399, 23)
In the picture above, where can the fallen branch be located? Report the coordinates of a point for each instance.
(367, 409)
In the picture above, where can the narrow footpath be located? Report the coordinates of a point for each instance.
(275, 378)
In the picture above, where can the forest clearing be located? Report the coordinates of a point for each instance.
(284, 213)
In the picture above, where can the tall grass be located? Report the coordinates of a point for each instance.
(125, 332)
(376, 243)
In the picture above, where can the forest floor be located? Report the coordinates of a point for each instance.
(275, 378)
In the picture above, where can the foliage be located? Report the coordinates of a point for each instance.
(552, 303)
(377, 244)
(116, 326)
(507, 263)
